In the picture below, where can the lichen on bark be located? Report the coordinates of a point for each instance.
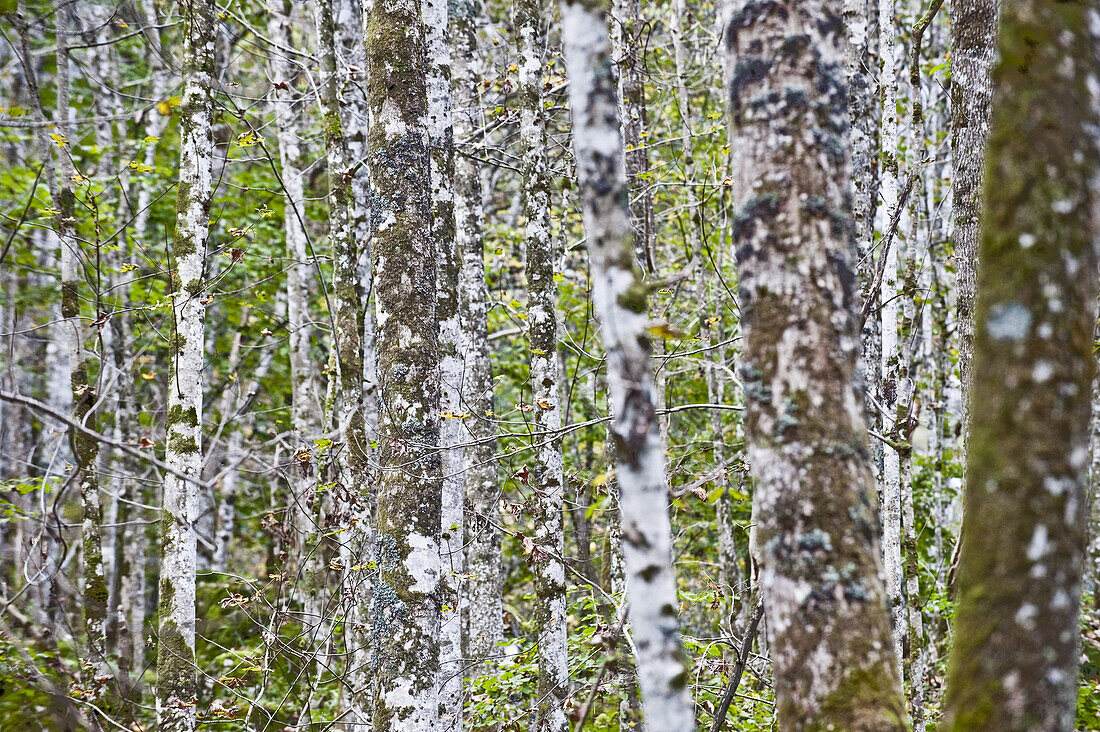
(816, 529)
(406, 605)
(177, 683)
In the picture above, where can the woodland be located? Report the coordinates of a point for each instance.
(507, 365)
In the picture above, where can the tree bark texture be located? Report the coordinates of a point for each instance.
(452, 435)
(482, 605)
(1014, 662)
(973, 47)
(405, 613)
(176, 672)
(816, 527)
(548, 479)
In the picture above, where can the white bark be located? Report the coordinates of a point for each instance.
(893, 381)
(176, 673)
(620, 303)
(452, 435)
(547, 481)
(482, 605)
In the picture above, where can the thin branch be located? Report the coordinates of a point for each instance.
(45, 409)
(895, 219)
(739, 670)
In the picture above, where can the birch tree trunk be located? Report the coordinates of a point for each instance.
(816, 537)
(625, 32)
(619, 298)
(973, 47)
(82, 362)
(482, 606)
(892, 379)
(176, 672)
(305, 404)
(132, 588)
(1014, 661)
(406, 607)
(548, 479)
(452, 434)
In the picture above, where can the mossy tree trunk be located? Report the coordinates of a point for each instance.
(1014, 661)
(176, 672)
(83, 366)
(814, 510)
(619, 299)
(405, 612)
(547, 479)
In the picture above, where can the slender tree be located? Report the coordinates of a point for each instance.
(482, 605)
(82, 362)
(1014, 661)
(452, 433)
(176, 672)
(973, 46)
(816, 532)
(627, 29)
(406, 609)
(619, 297)
(548, 480)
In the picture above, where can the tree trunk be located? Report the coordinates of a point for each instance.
(452, 434)
(816, 530)
(176, 672)
(619, 298)
(548, 479)
(973, 46)
(406, 606)
(483, 605)
(82, 362)
(626, 32)
(1014, 661)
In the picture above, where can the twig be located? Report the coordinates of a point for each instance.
(739, 669)
(895, 219)
(45, 409)
(914, 58)
(26, 210)
(599, 677)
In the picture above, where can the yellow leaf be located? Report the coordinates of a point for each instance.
(602, 478)
(248, 139)
(663, 330)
